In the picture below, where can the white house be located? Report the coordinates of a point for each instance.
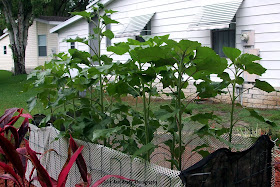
(253, 26)
(41, 44)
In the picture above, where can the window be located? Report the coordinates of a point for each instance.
(146, 31)
(72, 45)
(223, 38)
(5, 50)
(42, 45)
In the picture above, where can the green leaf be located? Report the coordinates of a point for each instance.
(84, 14)
(255, 68)
(119, 48)
(204, 118)
(265, 86)
(207, 62)
(104, 133)
(31, 103)
(239, 80)
(225, 76)
(204, 131)
(109, 34)
(203, 153)
(78, 39)
(108, 20)
(200, 147)
(207, 89)
(256, 115)
(97, 30)
(110, 11)
(231, 53)
(144, 150)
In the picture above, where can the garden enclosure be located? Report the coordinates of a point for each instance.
(103, 161)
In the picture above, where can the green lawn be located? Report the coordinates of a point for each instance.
(11, 95)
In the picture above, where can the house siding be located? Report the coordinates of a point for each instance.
(263, 17)
(32, 60)
(79, 28)
(52, 40)
(6, 60)
(31, 53)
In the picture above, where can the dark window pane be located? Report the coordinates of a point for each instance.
(5, 50)
(146, 31)
(42, 50)
(222, 38)
(72, 45)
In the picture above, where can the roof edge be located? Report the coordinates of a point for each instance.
(65, 23)
(4, 35)
(76, 18)
(48, 22)
(104, 2)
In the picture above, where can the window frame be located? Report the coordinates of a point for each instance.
(45, 53)
(72, 45)
(231, 38)
(146, 31)
(5, 49)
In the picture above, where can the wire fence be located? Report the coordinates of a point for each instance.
(103, 161)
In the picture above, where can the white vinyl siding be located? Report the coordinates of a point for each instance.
(6, 60)
(174, 18)
(79, 28)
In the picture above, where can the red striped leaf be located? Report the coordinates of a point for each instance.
(12, 155)
(43, 176)
(80, 160)
(22, 154)
(7, 116)
(28, 116)
(23, 130)
(14, 132)
(64, 173)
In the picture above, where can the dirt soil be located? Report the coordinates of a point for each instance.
(9, 182)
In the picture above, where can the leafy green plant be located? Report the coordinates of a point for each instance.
(81, 114)
(100, 116)
(238, 65)
(174, 64)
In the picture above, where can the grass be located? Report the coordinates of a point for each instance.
(11, 95)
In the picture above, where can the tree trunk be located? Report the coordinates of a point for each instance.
(18, 32)
(19, 59)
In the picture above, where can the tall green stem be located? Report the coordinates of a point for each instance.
(232, 112)
(145, 119)
(74, 108)
(233, 98)
(100, 64)
(180, 114)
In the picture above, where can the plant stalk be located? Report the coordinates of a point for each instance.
(145, 119)
(232, 112)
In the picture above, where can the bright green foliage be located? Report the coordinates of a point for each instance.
(100, 116)
(239, 64)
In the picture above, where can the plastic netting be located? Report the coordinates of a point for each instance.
(103, 161)
(100, 161)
